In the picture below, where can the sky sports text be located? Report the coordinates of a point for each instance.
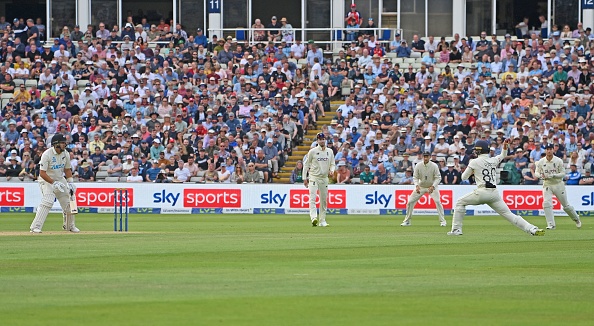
(425, 202)
(12, 196)
(526, 200)
(102, 197)
(299, 198)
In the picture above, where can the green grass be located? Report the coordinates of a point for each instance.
(278, 270)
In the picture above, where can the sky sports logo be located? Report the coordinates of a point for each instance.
(12, 196)
(425, 202)
(102, 197)
(526, 200)
(299, 198)
(212, 198)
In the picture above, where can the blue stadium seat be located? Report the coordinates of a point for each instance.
(386, 35)
(240, 35)
(337, 35)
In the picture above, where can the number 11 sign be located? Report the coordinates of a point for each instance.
(214, 6)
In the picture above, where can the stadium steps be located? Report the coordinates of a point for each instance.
(300, 151)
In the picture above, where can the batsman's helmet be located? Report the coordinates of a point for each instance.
(58, 138)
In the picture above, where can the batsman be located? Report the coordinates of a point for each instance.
(56, 182)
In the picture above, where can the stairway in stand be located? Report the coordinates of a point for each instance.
(300, 151)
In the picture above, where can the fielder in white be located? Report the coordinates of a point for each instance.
(550, 169)
(318, 164)
(426, 178)
(484, 169)
(53, 166)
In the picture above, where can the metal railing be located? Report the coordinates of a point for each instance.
(330, 36)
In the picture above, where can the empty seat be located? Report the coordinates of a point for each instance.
(112, 179)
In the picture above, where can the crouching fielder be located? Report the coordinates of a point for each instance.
(426, 178)
(484, 169)
(317, 165)
(550, 169)
(54, 164)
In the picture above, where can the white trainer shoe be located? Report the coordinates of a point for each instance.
(551, 227)
(578, 223)
(324, 224)
(74, 229)
(314, 222)
(443, 224)
(455, 232)
(405, 223)
(35, 230)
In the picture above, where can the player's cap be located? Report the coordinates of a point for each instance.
(426, 153)
(549, 146)
(320, 135)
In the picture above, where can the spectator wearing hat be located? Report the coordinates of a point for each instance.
(274, 34)
(286, 30)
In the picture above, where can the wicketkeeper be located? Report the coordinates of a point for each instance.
(426, 178)
(55, 181)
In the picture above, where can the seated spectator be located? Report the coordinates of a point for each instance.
(587, 179)
(263, 165)
(238, 175)
(408, 177)
(115, 168)
(85, 173)
(297, 174)
(529, 176)
(366, 177)
(152, 173)
(451, 176)
(574, 176)
(382, 176)
(224, 174)
(343, 174)
(162, 177)
(13, 170)
(182, 173)
(134, 176)
(252, 175)
(211, 175)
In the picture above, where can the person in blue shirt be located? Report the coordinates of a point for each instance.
(403, 51)
(574, 176)
(200, 38)
(153, 172)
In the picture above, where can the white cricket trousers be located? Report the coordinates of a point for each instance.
(48, 195)
(492, 198)
(414, 198)
(547, 205)
(315, 185)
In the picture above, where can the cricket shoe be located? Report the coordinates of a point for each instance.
(443, 224)
(455, 232)
(74, 229)
(314, 222)
(535, 231)
(35, 230)
(551, 227)
(578, 223)
(324, 224)
(405, 223)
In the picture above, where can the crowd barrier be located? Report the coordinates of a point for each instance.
(149, 198)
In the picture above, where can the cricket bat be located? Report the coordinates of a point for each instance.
(73, 207)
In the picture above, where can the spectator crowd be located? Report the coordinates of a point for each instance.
(156, 103)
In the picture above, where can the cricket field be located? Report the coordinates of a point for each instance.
(278, 270)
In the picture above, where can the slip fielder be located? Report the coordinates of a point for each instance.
(426, 179)
(54, 164)
(318, 164)
(550, 169)
(484, 169)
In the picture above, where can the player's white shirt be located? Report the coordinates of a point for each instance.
(426, 175)
(553, 170)
(484, 169)
(54, 164)
(318, 162)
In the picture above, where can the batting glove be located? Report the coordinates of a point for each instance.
(72, 187)
(59, 186)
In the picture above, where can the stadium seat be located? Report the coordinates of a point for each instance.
(30, 83)
(345, 91)
(103, 168)
(240, 35)
(123, 179)
(101, 175)
(112, 179)
(195, 179)
(82, 83)
(18, 81)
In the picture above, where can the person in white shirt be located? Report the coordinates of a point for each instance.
(484, 169)
(318, 164)
(426, 178)
(224, 175)
(182, 173)
(550, 169)
(134, 177)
